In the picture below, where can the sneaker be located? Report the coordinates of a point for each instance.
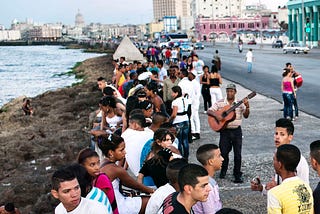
(205, 112)
(238, 180)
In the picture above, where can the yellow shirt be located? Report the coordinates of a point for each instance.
(292, 196)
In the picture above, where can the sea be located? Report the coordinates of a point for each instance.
(33, 70)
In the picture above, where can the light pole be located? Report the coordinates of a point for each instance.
(303, 30)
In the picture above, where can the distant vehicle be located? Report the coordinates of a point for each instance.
(172, 38)
(198, 45)
(252, 42)
(295, 48)
(186, 47)
(277, 44)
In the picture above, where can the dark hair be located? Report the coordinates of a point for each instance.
(173, 168)
(108, 101)
(101, 79)
(204, 153)
(108, 91)
(86, 153)
(184, 72)
(286, 71)
(315, 150)
(177, 89)
(160, 62)
(145, 105)
(138, 118)
(61, 175)
(132, 103)
(152, 86)
(289, 155)
(287, 64)
(204, 67)
(228, 211)
(9, 207)
(83, 177)
(109, 142)
(189, 174)
(287, 124)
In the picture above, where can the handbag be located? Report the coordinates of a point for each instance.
(298, 80)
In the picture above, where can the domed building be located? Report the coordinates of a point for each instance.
(79, 20)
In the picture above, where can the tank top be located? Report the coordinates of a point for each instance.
(214, 82)
(287, 87)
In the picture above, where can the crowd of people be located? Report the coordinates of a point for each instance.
(137, 160)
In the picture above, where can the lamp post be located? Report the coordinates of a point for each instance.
(303, 30)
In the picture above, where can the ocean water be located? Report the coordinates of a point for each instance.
(32, 70)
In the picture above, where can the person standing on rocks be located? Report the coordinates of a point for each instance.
(231, 136)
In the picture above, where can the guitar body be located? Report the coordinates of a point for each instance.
(218, 120)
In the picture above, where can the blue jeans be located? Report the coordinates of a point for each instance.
(182, 135)
(249, 67)
(296, 109)
(288, 102)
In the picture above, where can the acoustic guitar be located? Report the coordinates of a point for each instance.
(219, 119)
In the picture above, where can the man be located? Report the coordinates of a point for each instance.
(231, 136)
(197, 64)
(193, 182)
(209, 156)
(135, 138)
(249, 60)
(66, 189)
(163, 71)
(283, 135)
(101, 81)
(315, 163)
(293, 195)
(194, 119)
(162, 192)
(168, 83)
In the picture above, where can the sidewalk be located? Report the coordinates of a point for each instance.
(257, 149)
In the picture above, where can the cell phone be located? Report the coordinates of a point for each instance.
(256, 180)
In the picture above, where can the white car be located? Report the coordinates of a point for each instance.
(295, 48)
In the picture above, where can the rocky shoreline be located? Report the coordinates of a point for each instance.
(31, 148)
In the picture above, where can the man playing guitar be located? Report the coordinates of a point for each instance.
(231, 133)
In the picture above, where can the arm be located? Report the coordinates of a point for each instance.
(165, 91)
(140, 178)
(247, 110)
(174, 113)
(201, 82)
(128, 181)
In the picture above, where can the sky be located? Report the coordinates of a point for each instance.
(93, 11)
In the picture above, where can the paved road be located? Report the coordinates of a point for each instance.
(267, 70)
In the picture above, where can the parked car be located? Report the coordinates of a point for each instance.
(277, 44)
(198, 45)
(252, 42)
(295, 48)
(186, 46)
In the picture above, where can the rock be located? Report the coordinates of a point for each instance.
(52, 137)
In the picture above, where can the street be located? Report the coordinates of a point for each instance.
(267, 69)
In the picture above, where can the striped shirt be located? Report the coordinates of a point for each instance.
(98, 195)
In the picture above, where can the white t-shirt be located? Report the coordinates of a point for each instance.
(198, 66)
(135, 141)
(182, 105)
(174, 54)
(162, 73)
(249, 56)
(157, 198)
(86, 206)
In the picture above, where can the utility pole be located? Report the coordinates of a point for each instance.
(303, 24)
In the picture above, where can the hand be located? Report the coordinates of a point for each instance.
(256, 187)
(271, 184)
(246, 102)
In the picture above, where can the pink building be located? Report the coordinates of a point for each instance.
(228, 27)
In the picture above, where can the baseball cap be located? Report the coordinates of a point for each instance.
(231, 86)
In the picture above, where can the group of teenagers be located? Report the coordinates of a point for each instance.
(137, 161)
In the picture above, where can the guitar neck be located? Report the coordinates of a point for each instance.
(232, 108)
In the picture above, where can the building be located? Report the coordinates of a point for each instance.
(162, 9)
(9, 35)
(47, 32)
(216, 8)
(299, 16)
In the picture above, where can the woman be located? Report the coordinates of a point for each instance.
(180, 119)
(288, 93)
(156, 160)
(205, 89)
(113, 147)
(215, 81)
(89, 159)
(152, 93)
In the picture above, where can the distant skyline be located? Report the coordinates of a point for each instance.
(93, 11)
